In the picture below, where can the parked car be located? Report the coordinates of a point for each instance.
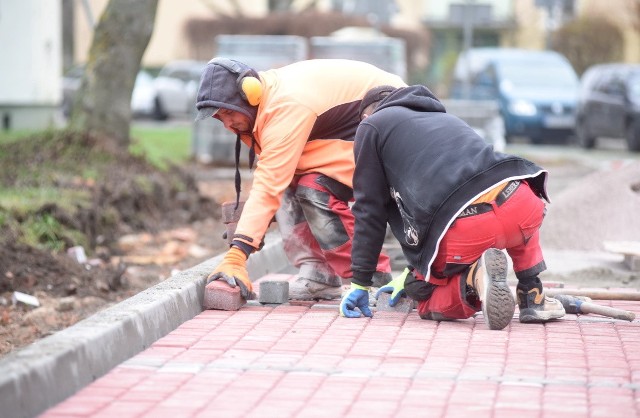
(176, 87)
(70, 85)
(142, 97)
(171, 94)
(536, 90)
(609, 105)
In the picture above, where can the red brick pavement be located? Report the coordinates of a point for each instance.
(307, 361)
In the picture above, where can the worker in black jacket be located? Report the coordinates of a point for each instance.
(453, 203)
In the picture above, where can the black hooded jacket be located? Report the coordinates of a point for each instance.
(417, 168)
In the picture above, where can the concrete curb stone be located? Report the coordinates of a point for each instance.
(50, 370)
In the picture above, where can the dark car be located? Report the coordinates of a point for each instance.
(609, 105)
(536, 90)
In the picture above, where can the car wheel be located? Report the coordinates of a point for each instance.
(158, 111)
(584, 138)
(633, 136)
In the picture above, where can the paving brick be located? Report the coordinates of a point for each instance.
(274, 291)
(221, 296)
(78, 406)
(122, 409)
(405, 305)
(229, 213)
(307, 361)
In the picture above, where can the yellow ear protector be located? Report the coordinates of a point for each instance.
(249, 86)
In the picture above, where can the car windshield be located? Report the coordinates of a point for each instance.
(525, 74)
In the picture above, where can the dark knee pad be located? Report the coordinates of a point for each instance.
(418, 289)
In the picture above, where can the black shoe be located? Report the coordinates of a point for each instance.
(489, 279)
(535, 307)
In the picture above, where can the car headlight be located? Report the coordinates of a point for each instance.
(522, 108)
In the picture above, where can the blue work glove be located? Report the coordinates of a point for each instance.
(356, 297)
(395, 287)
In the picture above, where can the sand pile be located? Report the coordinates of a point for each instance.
(603, 206)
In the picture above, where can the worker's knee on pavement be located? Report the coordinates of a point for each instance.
(418, 289)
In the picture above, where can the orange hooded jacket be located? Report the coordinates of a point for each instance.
(306, 122)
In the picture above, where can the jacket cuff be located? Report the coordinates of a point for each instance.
(246, 248)
(362, 278)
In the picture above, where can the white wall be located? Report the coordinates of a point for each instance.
(31, 57)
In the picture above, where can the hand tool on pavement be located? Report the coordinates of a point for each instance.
(595, 294)
(584, 305)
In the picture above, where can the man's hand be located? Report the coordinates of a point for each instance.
(395, 287)
(233, 270)
(356, 297)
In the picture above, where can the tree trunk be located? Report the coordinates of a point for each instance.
(103, 104)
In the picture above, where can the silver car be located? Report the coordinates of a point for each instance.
(176, 87)
(171, 94)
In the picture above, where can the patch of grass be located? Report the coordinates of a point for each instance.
(44, 231)
(12, 136)
(25, 199)
(38, 230)
(67, 170)
(51, 158)
(19, 211)
(162, 146)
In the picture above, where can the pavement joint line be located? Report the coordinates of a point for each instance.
(30, 377)
(420, 375)
(316, 305)
(582, 318)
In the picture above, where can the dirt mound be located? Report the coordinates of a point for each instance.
(603, 206)
(100, 194)
(27, 269)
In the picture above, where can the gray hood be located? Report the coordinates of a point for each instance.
(219, 89)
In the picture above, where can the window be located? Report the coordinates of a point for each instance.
(478, 13)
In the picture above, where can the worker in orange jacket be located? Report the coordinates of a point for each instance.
(300, 120)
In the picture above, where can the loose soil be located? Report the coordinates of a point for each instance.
(69, 291)
(142, 226)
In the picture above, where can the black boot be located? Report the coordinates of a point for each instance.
(534, 305)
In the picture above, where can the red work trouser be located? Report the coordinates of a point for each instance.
(317, 224)
(512, 225)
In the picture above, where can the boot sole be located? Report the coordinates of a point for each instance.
(498, 305)
(532, 316)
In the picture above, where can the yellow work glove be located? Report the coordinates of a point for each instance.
(395, 287)
(233, 270)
